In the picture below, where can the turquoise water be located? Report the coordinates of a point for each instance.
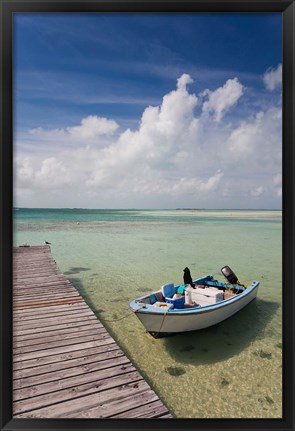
(233, 369)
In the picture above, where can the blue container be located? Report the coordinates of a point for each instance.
(177, 303)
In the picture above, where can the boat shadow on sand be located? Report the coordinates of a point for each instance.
(226, 339)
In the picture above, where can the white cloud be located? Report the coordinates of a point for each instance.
(258, 139)
(279, 191)
(175, 157)
(277, 181)
(49, 174)
(273, 78)
(54, 173)
(91, 127)
(183, 81)
(24, 172)
(197, 186)
(222, 99)
(257, 191)
(53, 134)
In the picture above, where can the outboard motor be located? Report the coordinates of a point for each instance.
(229, 275)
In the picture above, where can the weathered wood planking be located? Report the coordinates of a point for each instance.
(66, 365)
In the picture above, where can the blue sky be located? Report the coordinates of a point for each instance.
(126, 110)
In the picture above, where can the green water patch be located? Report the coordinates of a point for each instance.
(262, 354)
(224, 382)
(268, 400)
(175, 371)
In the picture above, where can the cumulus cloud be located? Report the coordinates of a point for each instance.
(92, 127)
(53, 134)
(183, 153)
(222, 99)
(49, 174)
(259, 138)
(197, 186)
(183, 81)
(53, 172)
(24, 172)
(273, 78)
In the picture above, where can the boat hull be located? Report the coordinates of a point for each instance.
(185, 320)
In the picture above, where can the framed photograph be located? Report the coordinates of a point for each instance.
(147, 234)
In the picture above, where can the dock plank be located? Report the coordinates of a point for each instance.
(45, 400)
(147, 411)
(40, 317)
(65, 349)
(66, 364)
(35, 338)
(66, 373)
(72, 381)
(52, 328)
(54, 321)
(37, 363)
(40, 311)
(50, 368)
(94, 405)
(19, 349)
(111, 403)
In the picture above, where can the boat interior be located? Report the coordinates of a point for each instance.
(205, 292)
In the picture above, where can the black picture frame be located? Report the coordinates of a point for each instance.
(7, 9)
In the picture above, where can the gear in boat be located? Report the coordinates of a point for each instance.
(192, 294)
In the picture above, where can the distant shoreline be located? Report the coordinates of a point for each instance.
(150, 215)
(147, 209)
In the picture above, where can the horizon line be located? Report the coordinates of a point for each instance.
(152, 209)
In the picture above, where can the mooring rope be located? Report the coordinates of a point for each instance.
(121, 318)
(155, 336)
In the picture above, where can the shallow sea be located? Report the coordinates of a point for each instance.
(231, 370)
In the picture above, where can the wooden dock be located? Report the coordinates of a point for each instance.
(66, 365)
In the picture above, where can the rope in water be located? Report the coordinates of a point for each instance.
(127, 315)
(121, 318)
(154, 335)
(162, 323)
